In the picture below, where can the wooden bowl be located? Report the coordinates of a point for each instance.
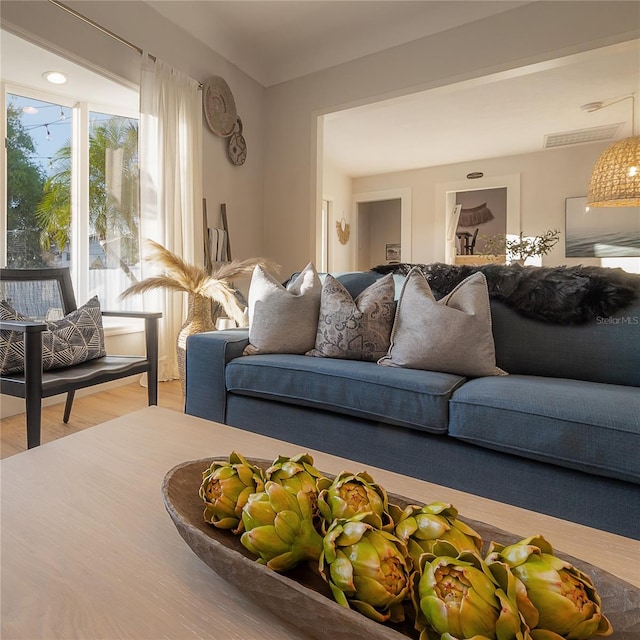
(302, 598)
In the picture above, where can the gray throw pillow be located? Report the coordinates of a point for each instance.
(355, 329)
(283, 320)
(76, 338)
(452, 335)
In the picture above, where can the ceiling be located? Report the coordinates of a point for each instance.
(278, 40)
(273, 41)
(23, 64)
(503, 115)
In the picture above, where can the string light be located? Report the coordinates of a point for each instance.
(47, 126)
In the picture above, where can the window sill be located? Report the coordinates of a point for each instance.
(121, 326)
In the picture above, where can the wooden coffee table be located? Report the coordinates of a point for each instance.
(88, 550)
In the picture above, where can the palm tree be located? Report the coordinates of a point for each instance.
(114, 213)
(25, 181)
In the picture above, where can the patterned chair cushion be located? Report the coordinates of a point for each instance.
(76, 338)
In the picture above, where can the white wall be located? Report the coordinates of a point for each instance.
(546, 179)
(337, 190)
(529, 34)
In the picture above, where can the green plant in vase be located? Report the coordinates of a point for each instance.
(520, 248)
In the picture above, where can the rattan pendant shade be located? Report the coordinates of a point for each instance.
(615, 179)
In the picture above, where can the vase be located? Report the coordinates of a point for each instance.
(199, 319)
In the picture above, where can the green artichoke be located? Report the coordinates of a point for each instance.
(279, 527)
(350, 494)
(565, 598)
(225, 488)
(420, 526)
(299, 474)
(457, 598)
(366, 568)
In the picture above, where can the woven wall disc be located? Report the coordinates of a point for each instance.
(237, 147)
(219, 106)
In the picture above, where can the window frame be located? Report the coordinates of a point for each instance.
(81, 110)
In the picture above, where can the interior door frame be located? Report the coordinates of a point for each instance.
(404, 195)
(445, 200)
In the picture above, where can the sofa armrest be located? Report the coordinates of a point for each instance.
(207, 355)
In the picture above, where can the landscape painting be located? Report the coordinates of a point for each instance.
(601, 232)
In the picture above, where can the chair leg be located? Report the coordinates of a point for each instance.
(33, 386)
(34, 420)
(67, 406)
(152, 389)
(151, 336)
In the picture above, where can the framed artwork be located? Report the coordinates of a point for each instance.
(601, 232)
(393, 252)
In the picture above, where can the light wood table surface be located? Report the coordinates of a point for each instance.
(89, 551)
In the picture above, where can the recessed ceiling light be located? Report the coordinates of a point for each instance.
(55, 77)
(29, 109)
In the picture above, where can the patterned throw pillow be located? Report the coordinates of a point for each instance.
(452, 335)
(76, 338)
(283, 320)
(355, 329)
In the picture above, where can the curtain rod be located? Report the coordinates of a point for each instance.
(104, 30)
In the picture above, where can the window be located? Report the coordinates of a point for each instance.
(114, 214)
(72, 193)
(38, 137)
(69, 177)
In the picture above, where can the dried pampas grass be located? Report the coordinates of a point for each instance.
(181, 276)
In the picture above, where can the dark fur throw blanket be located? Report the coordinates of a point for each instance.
(562, 295)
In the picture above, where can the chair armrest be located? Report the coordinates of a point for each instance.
(150, 334)
(133, 314)
(24, 326)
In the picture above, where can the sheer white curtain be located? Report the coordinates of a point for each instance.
(170, 147)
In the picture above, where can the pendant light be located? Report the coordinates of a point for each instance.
(615, 179)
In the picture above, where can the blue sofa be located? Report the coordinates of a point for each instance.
(559, 435)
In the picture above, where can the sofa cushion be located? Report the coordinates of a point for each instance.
(283, 320)
(354, 329)
(588, 426)
(418, 399)
(451, 335)
(76, 338)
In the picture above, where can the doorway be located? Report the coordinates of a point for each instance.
(381, 218)
(445, 202)
(379, 233)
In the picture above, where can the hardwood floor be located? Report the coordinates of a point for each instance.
(87, 411)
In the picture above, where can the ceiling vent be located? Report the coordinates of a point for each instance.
(580, 136)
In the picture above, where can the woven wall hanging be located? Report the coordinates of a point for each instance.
(475, 215)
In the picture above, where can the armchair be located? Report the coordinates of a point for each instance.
(34, 292)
